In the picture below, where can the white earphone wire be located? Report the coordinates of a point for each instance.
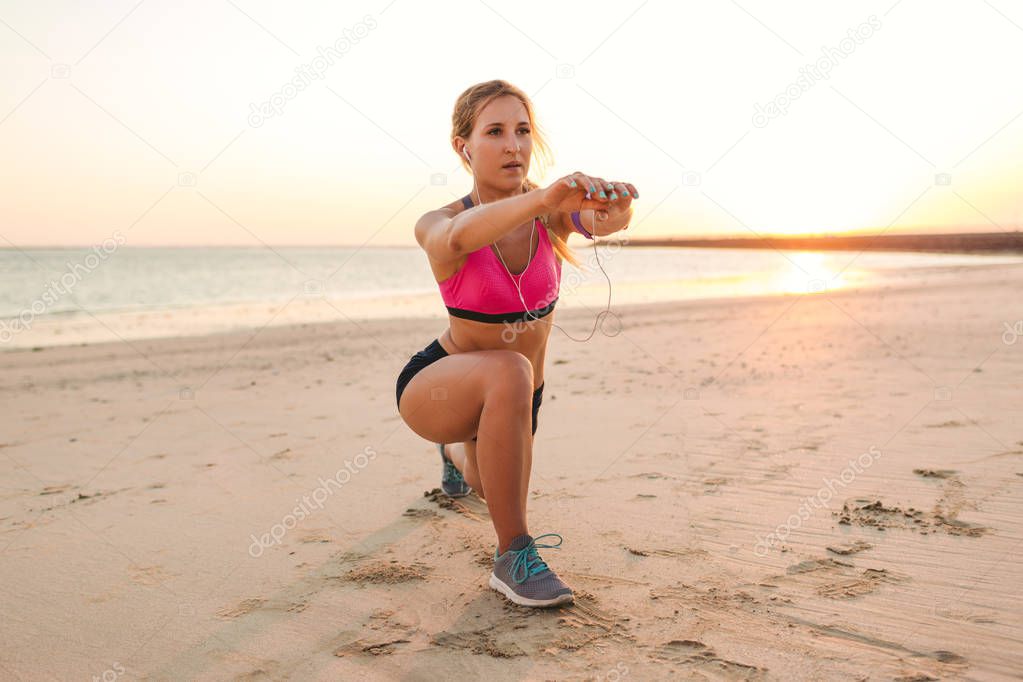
(593, 226)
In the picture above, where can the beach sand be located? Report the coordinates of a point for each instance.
(140, 478)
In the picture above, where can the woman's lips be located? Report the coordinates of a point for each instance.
(511, 167)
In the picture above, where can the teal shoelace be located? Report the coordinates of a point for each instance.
(527, 561)
(451, 472)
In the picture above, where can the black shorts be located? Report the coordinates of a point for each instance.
(434, 352)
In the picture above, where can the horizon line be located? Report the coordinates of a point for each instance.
(704, 237)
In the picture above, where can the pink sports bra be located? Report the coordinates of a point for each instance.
(482, 288)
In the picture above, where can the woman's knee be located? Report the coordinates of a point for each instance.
(510, 375)
(440, 405)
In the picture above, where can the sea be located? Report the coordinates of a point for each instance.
(108, 293)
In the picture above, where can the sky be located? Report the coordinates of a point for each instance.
(173, 123)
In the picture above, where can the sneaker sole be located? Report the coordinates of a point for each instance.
(508, 592)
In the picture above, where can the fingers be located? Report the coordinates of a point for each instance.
(600, 193)
(612, 191)
(622, 191)
(593, 187)
(604, 188)
(579, 184)
(590, 199)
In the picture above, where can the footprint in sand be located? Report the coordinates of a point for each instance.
(836, 579)
(942, 517)
(865, 583)
(585, 622)
(148, 575)
(512, 631)
(385, 573)
(854, 548)
(382, 634)
(669, 553)
(462, 505)
(480, 642)
(413, 512)
(241, 608)
(815, 565)
(699, 658)
(369, 647)
(315, 535)
(946, 510)
(711, 597)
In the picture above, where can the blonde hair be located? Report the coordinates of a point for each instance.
(463, 120)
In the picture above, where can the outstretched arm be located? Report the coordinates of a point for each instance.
(616, 216)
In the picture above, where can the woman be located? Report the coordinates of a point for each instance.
(475, 385)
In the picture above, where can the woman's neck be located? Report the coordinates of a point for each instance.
(484, 194)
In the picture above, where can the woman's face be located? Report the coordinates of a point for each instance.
(502, 135)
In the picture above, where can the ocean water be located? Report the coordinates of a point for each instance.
(60, 296)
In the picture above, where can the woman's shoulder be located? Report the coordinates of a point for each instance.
(428, 221)
(447, 210)
(445, 270)
(455, 207)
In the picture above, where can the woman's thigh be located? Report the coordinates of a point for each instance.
(443, 401)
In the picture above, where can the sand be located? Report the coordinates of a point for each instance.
(250, 505)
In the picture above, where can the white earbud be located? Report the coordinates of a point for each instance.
(465, 153)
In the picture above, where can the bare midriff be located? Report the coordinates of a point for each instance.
(528, 338)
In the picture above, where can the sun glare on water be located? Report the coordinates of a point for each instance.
(808, 272)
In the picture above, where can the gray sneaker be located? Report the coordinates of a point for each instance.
(522, 576)
(451, 481)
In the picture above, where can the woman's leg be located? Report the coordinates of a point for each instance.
(463, 456)
(486, 393)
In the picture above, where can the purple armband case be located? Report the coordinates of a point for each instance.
(579, 226)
